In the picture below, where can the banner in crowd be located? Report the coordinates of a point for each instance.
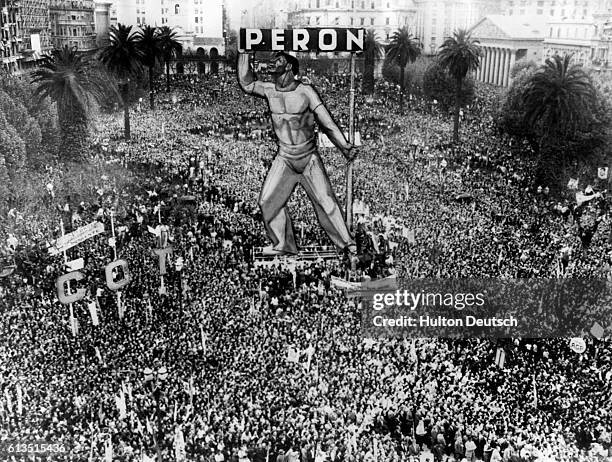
(500, 358)
(597, 331)
(578, 345)
(76, 237)
(309, 39)
(325, 142)
(602, 173)
(343, 284)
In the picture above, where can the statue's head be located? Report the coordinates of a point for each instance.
(284, 63)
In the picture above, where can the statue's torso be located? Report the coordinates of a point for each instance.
(292, 119)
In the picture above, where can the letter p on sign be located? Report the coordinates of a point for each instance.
(253, 37)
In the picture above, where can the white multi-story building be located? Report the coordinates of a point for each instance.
(551, 9)
(198, 23)
(383, 16)
(438, 19)
(587, 38)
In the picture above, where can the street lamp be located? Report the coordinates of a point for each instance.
(156, 378)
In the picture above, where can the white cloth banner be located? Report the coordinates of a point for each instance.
(108, 450)
(342, 284)
(179, 446)
(19, 400)
(76, 237)
(93, 311)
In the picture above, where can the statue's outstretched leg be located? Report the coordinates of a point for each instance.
(275, 192)
(319, 189)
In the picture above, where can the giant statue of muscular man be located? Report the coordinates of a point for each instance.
(294, 106)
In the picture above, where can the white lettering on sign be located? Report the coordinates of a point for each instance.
(253, 37)
(300, 39)
(278, 39)
(351, 40)
(333, 40)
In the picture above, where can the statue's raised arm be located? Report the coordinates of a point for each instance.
(246, 76)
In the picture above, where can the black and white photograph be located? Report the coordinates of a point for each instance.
(306, 230)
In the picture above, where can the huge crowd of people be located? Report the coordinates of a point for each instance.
(245, 362)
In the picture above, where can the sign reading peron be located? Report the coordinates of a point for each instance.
(330, 39)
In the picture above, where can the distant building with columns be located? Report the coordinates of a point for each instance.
(505, 40)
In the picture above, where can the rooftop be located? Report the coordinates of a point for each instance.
(516, 27)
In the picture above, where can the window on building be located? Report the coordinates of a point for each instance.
(318, 3)
(336, 21)
(371, 21)
(352, 20)
(388, 5)
(540, 11)
(337, 4)
(552, 12)
(196, 11)
(362, 4)
(196, 19)
(387, 36)
(362, 21)
(308, 20)
(177, 9)
(352, 4)
(318, 20)
(372, 5)
(522, 12)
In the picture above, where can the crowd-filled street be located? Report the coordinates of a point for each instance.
(226, 360)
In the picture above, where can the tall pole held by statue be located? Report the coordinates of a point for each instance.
(351, 133)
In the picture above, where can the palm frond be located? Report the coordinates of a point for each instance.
(122, 56)
(404, 47)
(460, 54)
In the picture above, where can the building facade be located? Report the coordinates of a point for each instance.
(383, 16)
(24, 33)
(198, 23)
(437, 19)
(103, 21)
(73, 24)
(10, 36)
(551, 10)
(505, 40)
(587, 39)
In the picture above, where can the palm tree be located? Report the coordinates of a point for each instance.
(149, 44)
(459, 54)
(65, 77)
(170, 48)
(559, 99)
(123, 57)
(372, 51)
(402, 49)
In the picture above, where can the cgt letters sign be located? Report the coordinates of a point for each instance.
(333, 39)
